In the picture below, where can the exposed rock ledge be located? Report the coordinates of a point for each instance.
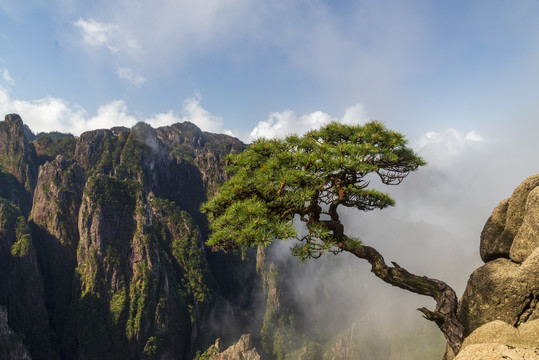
(239, 351)
(499, 340)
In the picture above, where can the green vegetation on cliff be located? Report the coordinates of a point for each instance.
(22, 233)
(139, 291)
(119, 238)
(13, 225)
(178, 232)
(106, 191)
(49, 146)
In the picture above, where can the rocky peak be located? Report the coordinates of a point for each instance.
(17, 158)
(119, 130)
(180, 133)
(13, 118)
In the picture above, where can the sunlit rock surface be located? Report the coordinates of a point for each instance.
(502, 290)
(242, 350)
(527, 238)
(526, 335)
(495, 351)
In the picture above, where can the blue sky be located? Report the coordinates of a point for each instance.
(459, 78)
(416, 65)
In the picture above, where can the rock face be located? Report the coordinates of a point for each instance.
(11, 346)
(500, 306)
(495, 243)
(21, 282)
(54, 216)
(57, 199)
(17, 164)
(502, 290)
(527, 238)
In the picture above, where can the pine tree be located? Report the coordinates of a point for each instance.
(294, 188)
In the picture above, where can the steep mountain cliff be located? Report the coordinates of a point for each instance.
(101, 243)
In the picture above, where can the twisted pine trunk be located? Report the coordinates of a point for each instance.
(445, 313)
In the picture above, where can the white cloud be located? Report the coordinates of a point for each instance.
(456, 190)
(110, 36)
(127, 74)
(54, 114)
(98, 34)
(192, 111)
(355, 115)
(474, 137)
(163, 119)
(111, 114)
(287, 122)
(171, 29)
(201, 117)
(444, 148)
(6, 78)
